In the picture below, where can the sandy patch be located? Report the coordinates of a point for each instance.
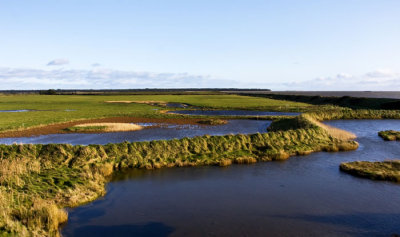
(149, 102)
(110, 127)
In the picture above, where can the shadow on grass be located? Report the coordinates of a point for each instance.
(148, 229)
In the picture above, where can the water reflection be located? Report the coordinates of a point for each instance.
(232, 113)
(147, 229)
(153, 132)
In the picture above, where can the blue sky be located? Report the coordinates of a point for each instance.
(281, 44)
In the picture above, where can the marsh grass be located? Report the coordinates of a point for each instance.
(104, 127)
(45, 178)
(380, 170)
(309, 121)
(37, 181)
(390, 135)
(213, 121)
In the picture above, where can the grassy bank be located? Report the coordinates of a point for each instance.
(336, 113)
(344, 101)
(307, 121)
(37, 181)
(384, 170)
(390, 135)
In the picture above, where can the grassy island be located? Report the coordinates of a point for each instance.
(390, 135)
(383, 170)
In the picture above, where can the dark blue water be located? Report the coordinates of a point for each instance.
(303, 196)
(148, 134)
(232, 113)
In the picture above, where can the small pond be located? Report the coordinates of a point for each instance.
(232, 113)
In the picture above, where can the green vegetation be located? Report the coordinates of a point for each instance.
(383, 170)
(285, 124)
(390, 135)
(37, 181)
(334, 113)
(51, 109)
(344, 101)
(86, 129)
(213, 121)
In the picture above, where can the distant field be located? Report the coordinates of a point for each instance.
(52, 108)
(359, 94)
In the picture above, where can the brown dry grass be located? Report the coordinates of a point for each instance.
(334, 132)
(11, 170)
(151, 102)
(112, 127)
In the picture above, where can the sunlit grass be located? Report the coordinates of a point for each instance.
(384, 170)
(390, 135)
(104, 127)
(52, 109)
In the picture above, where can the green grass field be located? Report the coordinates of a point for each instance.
(52, 107)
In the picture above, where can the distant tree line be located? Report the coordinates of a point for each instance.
(124, 91)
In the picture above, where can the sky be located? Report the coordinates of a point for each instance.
(275, 44)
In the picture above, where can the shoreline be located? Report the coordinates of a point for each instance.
(59, 127)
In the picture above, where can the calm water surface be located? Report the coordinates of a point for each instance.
(148, 134)
(304, 196)
(231, 113)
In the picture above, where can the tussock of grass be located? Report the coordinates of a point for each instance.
(225, 162)
(390, 135)
(213, 121)
(245, 160)
(104, 127)
(384, 170)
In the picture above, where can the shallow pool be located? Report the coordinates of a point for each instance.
(232, 113)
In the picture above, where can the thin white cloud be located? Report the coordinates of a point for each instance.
(101, 78)
(58, 62)
(374, 80)
(96, 65)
